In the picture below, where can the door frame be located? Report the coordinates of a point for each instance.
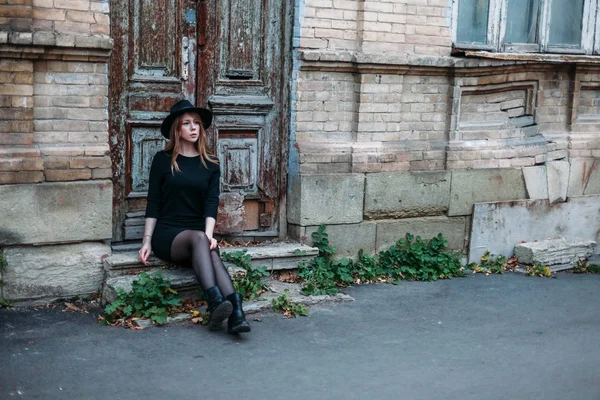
(118, 80)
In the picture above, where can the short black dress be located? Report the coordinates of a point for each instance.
(181, 200)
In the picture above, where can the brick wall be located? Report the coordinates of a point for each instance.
(432, 116)
(391, 134)
(377, 26)
(71, 23)
(19, 160)
(16, 17)
(585, 118)
(71, 119)
(53, 91)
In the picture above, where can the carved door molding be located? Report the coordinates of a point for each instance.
(244, 71)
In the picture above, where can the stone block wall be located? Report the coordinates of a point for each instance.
(409, 138)
(55, 167)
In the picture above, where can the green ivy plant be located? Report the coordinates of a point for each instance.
(321, 274)
(488, 264)
(151, 296)
(410, 258)
(288, 308)
(249, 282)
(413, 258)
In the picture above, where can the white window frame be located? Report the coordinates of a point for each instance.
(496, 33)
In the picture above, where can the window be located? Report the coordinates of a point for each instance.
(555, 26)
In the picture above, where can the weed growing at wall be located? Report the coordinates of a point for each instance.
(322, 275)
(538, 270)
(288, 308)
(584, 267)
(248, 282)
(488, 264)
(411, 258)
(151, 297)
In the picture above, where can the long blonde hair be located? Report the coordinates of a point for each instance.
(201, 145)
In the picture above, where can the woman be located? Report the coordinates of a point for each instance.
(183, 198)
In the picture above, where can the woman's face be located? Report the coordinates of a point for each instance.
(190, 127)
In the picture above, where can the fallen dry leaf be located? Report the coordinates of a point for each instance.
(73, 307)
(288, 276)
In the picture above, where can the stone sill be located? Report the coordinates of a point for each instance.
(44, 39)
(344, 59)
(536, 57)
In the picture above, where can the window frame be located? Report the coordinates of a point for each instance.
(590, 42)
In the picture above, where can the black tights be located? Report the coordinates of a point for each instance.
(193, 247)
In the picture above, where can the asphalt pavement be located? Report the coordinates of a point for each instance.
(482, 337)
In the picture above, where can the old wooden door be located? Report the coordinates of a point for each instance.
(231, 56)
(244, 53)
(153, 64)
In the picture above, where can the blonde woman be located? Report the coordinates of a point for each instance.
(183, 198)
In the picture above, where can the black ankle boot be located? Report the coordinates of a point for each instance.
(218, 308)
(237, 321)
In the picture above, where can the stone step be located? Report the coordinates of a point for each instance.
(554, 251)
(264, 302)
(182, 280)
(276, 256)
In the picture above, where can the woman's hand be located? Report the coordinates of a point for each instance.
(208, 230)
(144, 252)
(213, 242)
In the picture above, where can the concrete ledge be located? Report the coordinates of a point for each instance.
(592, 185)
(579, 177)
(317, 199)
(499, 227)
(51, 272)
(476, 186)
(276, 256)
(55, 212)
(407, 194)
(554, 251)
(348, 239)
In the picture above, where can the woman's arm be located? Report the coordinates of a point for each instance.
(149, 224)
(209, 229)
(152, 208)
(211, 206)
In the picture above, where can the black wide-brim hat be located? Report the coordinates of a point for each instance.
(182, 107)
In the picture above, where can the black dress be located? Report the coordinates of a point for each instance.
(181, 200)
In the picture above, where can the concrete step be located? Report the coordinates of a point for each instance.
(275, 256)
(264, 302)
(182, 279)
(123, 267)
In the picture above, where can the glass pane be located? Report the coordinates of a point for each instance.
(566, 22)
(473, 21)
(521, 21)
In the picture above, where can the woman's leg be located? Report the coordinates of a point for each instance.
(221, 275)
(237, 321)
(194, 247)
